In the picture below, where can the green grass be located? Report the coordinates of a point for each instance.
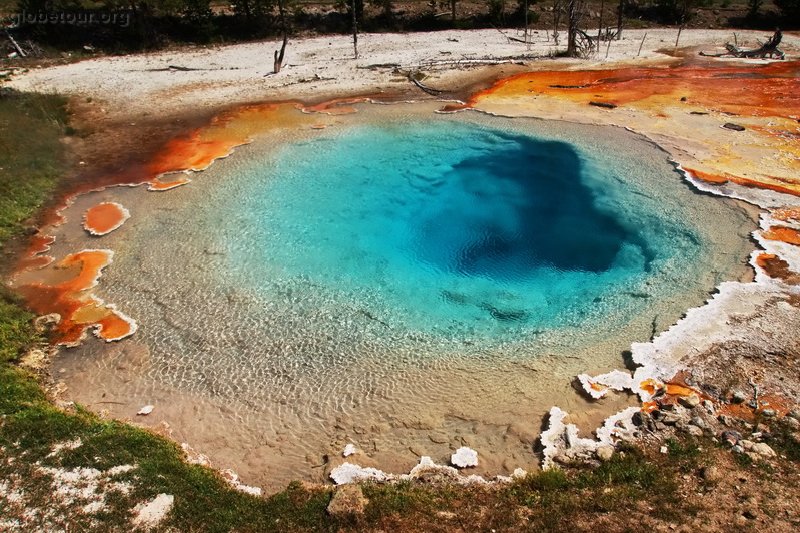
(555, 498)
(785, 441)
(31, 155)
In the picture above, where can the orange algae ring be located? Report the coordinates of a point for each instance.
(104, 218)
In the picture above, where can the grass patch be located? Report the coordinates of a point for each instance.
(31, 155)
(785, 441)
(555, 498)
(685, 453)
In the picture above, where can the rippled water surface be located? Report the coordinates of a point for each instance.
(446, 227)
(406, 281)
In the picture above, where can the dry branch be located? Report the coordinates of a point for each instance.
(430, 90)
(769, 48)
(15, 44)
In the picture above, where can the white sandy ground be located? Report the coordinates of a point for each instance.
(141, 84)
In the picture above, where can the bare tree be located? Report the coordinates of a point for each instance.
(579, 44)
(557, 8)
(355, 28)
(620, 9)
(528, 44)
(573, 18)
(600, 22)
(279, 55)
(684, 17)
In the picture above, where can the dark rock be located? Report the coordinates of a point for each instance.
(730, 437)
(738, 397)
(732, 126)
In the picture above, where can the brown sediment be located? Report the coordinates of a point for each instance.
(777, 268)
(32, 258)
(198, 149)
(66, 288)
(777, 403)
(782, 233)
(194, 150)
(104, 218)
(667, 393)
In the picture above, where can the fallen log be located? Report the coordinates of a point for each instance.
(605, 105)
(15, 44)
(732, 126)
(769, 48)
(430, 90)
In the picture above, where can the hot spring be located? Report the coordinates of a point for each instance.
(405, 281)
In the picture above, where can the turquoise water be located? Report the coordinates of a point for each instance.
(407, 281)
(449, 227)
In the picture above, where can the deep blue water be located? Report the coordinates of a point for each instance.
(445, 226)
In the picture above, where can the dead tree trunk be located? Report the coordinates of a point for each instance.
(572, 29)
(684, 14)
(279, 55)
(769, 48)
(527, 44)
(453, 10)
(16, 45)
(556, 19)
(600, 23)
(355, 28)
(620, 9)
